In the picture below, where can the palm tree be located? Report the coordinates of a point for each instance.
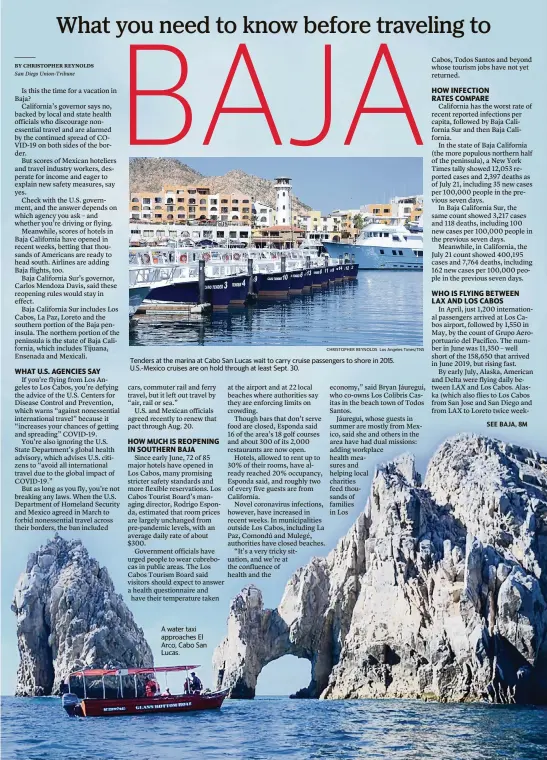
(358, 222)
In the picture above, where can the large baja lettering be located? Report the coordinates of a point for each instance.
(383, 52)
(170, 92)
(328, 105)
(242, 52)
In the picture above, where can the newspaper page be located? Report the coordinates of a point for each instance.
(273, 380)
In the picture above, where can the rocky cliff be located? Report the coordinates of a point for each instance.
(69, 616)
(438, 591)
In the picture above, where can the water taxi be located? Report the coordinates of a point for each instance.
(123, 691)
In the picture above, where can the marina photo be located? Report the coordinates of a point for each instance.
(239, 259)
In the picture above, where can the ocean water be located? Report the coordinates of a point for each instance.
(268, 728)
(379, 309)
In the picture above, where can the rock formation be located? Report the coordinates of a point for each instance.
(69, 616)
(438, 591)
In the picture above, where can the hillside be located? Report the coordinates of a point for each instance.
(152, 173)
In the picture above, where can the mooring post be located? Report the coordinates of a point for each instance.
(201, 281)
(250, 273)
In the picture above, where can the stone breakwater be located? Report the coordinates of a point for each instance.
(69, 616)
(438, 591)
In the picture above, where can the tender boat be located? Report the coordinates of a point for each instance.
(103, 698)
(141, 281)
(383, 246)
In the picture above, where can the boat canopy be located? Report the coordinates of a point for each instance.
(100, 672)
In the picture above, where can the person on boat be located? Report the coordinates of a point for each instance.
(151, 687)
(195, 683)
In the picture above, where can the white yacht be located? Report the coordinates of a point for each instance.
(383, 246)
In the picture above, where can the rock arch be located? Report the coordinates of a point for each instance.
(439, 590)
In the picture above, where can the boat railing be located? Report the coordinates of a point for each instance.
(149, 275)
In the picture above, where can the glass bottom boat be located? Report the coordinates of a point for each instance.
(103, 699)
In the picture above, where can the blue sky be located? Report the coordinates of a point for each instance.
(329, 183)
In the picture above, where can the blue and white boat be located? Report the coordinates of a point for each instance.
(383, 246)
(141, 281)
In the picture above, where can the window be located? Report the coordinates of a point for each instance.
(180, 208)
(375, 210)
(156, 216)
(134, 200)
(233, 234)
(400, 253)
(224, 209)
(134, 216)
(244, 234)
(181, 216)
(134, 208)
(169, 216)
(394, 253)
(170, 208)
(157, 200)
(146, 200)
(245, 210)
(234, 201)
(387, 210)
(382, 251)
(220, 233)
(169, 200)
(146, 216)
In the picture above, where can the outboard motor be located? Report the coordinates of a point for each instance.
(71, 703)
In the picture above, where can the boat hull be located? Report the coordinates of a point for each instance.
(136, 297)
(369, 257)
(227, 291)
(271, 285)
(296, 282)
(219, 292)
(108, 708)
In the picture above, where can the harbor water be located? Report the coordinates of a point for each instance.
(380, 308)
(268, 728)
